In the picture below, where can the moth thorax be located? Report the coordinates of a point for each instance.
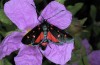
(45, 30)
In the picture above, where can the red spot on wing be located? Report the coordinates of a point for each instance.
(40, 37)
(51, 37)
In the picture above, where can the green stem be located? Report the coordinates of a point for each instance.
(83, 61)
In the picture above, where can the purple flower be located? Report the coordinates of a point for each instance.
(87, 46)
(94, 58)
(24, 16)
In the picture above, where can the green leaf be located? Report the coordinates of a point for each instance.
(85, 34)
(1, 63)
(75, 57)
(6, 29)
(93, 12)
(7, 33)
(61, 1)
(11, 27)
(77, 42)
(79, 50)
(77, 25)
(82, 21)
(96, 29)
(2, 33)
(80, 62)
(5, 62)
(3, 18)
(85, 60)
(74, 9)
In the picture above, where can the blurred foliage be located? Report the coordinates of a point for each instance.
(73, 9)
(61, 1)
(3, 18)
(5, 62)
(84, 26)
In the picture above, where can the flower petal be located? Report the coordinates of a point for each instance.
(59, 54)
(53, 14)
(29, 55)
(87, 46)
(94, 58)
(11, 43)
(22, 13)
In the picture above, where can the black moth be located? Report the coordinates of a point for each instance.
(44, 33)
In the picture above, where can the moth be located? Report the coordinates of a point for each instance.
(44, 33)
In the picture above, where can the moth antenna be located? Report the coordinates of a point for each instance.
(43, 17)
(38, 13)
(55, 14)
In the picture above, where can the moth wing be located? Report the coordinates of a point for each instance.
(33, 36)
(57, 35)
(51, 37)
